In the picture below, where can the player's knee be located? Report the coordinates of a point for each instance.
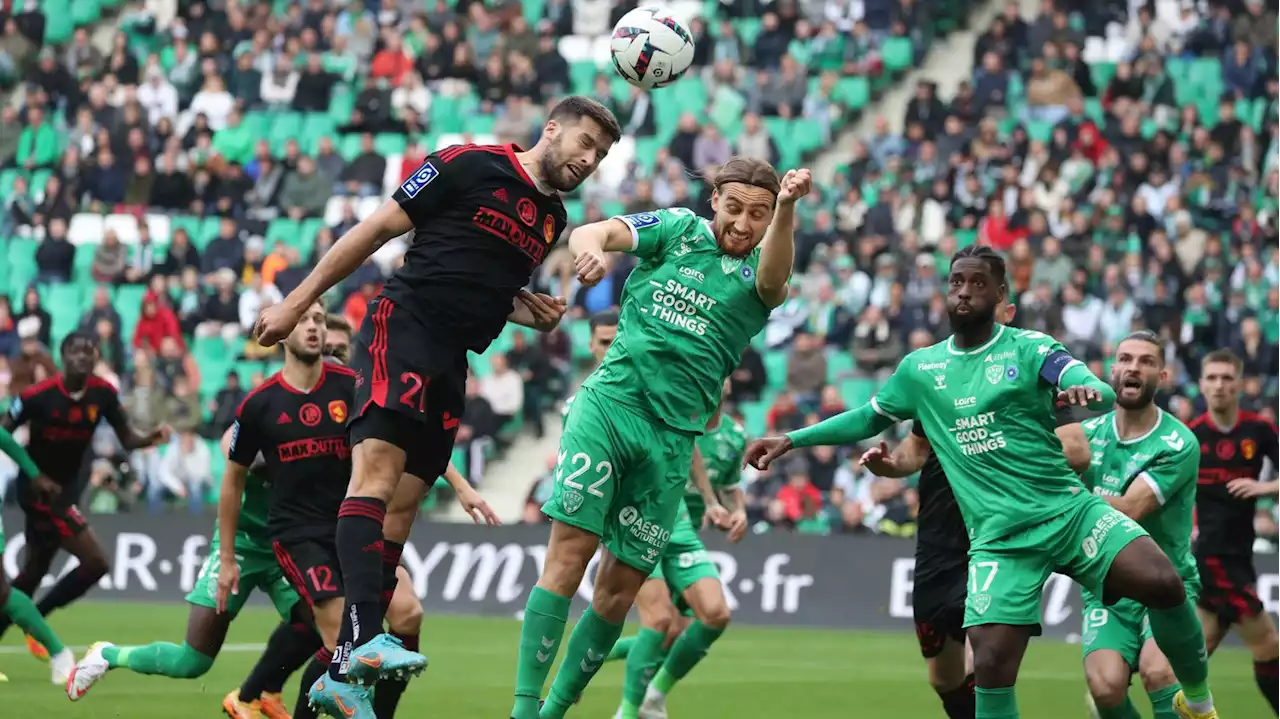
(404, 616)
(1264, 645)
(1166, 590)
(567, 557)
(945, 676)
(716, 616)
(1108, 688)
(995, 663)
(93, 567)
(1156, 676)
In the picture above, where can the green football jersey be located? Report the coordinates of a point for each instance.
(722, 449)
(688, 312)
(989, 416)
(1168, 459)
(254, 505)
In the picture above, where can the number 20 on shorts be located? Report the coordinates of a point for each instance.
(581, 463)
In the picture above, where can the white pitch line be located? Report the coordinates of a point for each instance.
(237, 648)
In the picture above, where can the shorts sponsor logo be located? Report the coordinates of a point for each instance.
(641, 220)
(651, 533)
(571, 501)
(980, 601)
(628, 516)
(994, 373)
(1089, 547)
(420, 179)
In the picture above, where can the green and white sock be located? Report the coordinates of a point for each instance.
(23, 612)
(545, 614)
(589, 644)
(160, 658)
(1179, 635)
(647, 654)
(1162, 702)
(995, 703)
(689, 649)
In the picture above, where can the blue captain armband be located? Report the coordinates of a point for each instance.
(1056, 365)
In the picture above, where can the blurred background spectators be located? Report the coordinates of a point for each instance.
(170, 168)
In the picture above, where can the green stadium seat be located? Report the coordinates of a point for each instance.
(1039, 130)
(208, 230)
(853, 92)
(579, 340)
(284, 127)
(22, 263)
(342, 102)
(393, 143)
(612, 208)
(755, 417)
(964, 238)
(748, 29)
(284, 230)
(82, 268)
(839, 363)
(1101, 74)
(575, 210)
(775, 368)
(85, 12)
(857, 391)
(59, 27)
(898, 54)
(7, 180)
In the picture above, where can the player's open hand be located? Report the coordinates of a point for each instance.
(737, 525)
(478, 509)
(1249, 488)
(718, 516)
(762, 452)
(877, 460)
(275, 323)
(591, 267)
(228, 582)
(544, 310)
(1079, 396)
(795, 184)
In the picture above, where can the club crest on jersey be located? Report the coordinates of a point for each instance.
(338, 411)
(730, 264)
(1247, 447)
(747, 273)
(571, 501)
(309, 414)
(995, 373)
(420, 179)
(1011, 374)
(526, 211)
(92, 412)
(549, 229)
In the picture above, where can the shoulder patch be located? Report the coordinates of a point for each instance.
(420, 179)
(641, 220)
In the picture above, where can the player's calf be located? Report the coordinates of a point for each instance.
(952, 679)
(1259, 635)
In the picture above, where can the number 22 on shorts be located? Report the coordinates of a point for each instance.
(580, 463)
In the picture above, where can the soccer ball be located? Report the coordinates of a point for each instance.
(650, 49)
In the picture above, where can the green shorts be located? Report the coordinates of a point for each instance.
(1006, 576)
(685, 561)
(1123, 627)
(258, 570)
(620, 476)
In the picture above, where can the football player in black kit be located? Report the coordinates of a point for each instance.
(1233, 445)
(484, 217)
(63, 412)
(942, 553)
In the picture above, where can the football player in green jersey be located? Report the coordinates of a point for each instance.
(687, 575)
(986, 397)
(702, 290)
(1144, 462)
(15, 603)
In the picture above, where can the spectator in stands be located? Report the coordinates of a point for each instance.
(220, 314)
(539, 493)
(110, 258)
(363, 175)
(143, 258)
(223, 406)
(278, 87)
(101, 308)
(38, 143)
(537, 375)
(182, 473)
(180, 255)
(877, 345)
(806, 367)
(105, 182)
(304, 192)
(503, 389)
(33, 364)
(182, 406)
(36, 316)
(747, 381)
(56, 255)
(19, 208)
(755, 141)
(224, 252)
(110, 346)
(156, 322)
(8, 331)
(54, 205)
(213, 102)
(710, 149)
(797, 501)
(173, 362)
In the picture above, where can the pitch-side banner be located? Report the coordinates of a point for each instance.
(773, 579)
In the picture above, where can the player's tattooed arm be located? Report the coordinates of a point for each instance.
(778, 249)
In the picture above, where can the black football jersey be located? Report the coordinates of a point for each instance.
(1225, 522)
(61, 428)
(481, 228)
(303, 440)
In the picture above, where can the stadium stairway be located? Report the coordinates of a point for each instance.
(949, 62)
(507, 480)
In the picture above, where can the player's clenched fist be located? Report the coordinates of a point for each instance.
(591, 267)
(275, 323)
(1080, 396)
(795, 184)
(762, 452)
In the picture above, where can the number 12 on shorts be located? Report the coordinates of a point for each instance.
(580, 463)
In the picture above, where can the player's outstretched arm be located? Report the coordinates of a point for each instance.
(905, 460)
(1076, 384)
(716, 513)
(778, 249)
(10, 447)
(590, 242)
(233, 481)
(469, 498)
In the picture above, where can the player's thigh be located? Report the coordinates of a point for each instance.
(938, 599)
(1088, 539)
(1153, 665)
(404, 615)
(1119, 629)
(312, 568)
(948, 666)
(207, 629)
(428, 456)
(596, 449)
(648, 499)
(1005, 581)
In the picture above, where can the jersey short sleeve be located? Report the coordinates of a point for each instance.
(245, 440)
(112, 411)
(894, 400)
(651, 232)
(1045, 355)
(1174, 468)
(430, 188)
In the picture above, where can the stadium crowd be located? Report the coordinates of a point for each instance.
(159, 194)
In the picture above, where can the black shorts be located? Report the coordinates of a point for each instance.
(1228, 587)
(410, 392)
(937, 597)
(312, 568)
(50, 524)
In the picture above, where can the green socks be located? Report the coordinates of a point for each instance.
(996, 703)
(1178, 633)
(589, 644)
(689, 649)
(1162, 702)
(646, 655)
(621, 650)
(544, 617)
(1125, 711)
(162, 658)
(23, 612)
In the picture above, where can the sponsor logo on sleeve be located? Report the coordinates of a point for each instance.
(420, 179)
